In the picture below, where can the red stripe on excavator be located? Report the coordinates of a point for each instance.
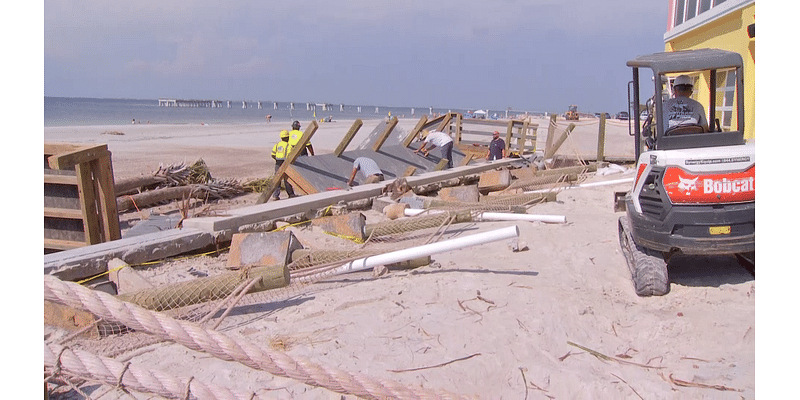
(728, 187)
(642, 167)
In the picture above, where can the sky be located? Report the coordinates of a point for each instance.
(536, 55)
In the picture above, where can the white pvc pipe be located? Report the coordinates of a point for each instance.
(490, 216)
(428, 249)
(552, 219)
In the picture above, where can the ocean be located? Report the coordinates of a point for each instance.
(68, 111)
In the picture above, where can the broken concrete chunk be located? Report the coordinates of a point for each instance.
(463, 194)
(492, 181)
(348, 225)
(262, 248)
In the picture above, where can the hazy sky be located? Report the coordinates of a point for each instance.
(538, 55)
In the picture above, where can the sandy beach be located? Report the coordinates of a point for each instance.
(556, 320)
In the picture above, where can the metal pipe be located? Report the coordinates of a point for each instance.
(428, 249)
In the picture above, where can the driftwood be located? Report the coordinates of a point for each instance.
(134, 185)
(138, 201)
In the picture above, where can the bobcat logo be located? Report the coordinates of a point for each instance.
(687, 185)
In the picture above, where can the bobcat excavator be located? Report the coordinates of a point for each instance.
(694, 192)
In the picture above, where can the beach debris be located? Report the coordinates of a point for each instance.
(262, 248)
(437, 365)
(702, 385)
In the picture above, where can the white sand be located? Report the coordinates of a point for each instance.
(571, 285)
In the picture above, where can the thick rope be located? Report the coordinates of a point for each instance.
(229, 347)
(124, 375)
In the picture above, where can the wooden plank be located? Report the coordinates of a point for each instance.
(300, 182)
(70, 159)
(467, 159)
(601, 138)
(386, 132)
(310, 130)
(445, 122)
(493, 123)
(550, 133)
(414, 132)
(348, 137)
(107, 198)
(57, 244)
(409, 171)
(63, 213)
(442, 164)
(61, 179)
(86, 189)
(459, 117)
(552, 151)
(53, 148)
(509, 132)
(523, 138)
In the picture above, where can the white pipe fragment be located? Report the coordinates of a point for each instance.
(428, 249)
(490, 216)
(551, 219)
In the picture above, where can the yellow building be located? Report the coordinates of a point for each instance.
(721, 24)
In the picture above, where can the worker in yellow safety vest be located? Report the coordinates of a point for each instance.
(294, 138)
(279, 153)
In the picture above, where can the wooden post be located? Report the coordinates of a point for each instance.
(550, 131)
(348, 137)
(382, 138)
(601, 138)
(552, 151)
(414, 132)
(310, 130)
(458, 128)
(509, 133)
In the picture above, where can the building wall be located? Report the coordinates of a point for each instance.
(724, 26)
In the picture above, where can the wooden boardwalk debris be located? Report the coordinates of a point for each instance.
(79, 197)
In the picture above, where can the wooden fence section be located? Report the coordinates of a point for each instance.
(468, 133)
(80, 206)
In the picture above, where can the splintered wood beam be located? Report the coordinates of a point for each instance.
(276, 180)
(552, 151)
(414, 132)
(348, 137)
(382, 138)
(551, 129)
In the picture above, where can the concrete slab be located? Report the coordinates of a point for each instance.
(83, 262)
(262, 248)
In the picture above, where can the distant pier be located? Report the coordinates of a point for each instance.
(189, 103)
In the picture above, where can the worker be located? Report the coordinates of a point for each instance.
(294, 138)
(497, 147)
(279, 153)
(437, 139)
(369, 168)
(681, 109)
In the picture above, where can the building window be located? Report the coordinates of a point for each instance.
(688, 9)
(724, 99)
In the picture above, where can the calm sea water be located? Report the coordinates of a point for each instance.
(67, 111)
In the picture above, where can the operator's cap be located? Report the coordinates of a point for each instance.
(496, 133)
(284, 133)
(683, 80)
